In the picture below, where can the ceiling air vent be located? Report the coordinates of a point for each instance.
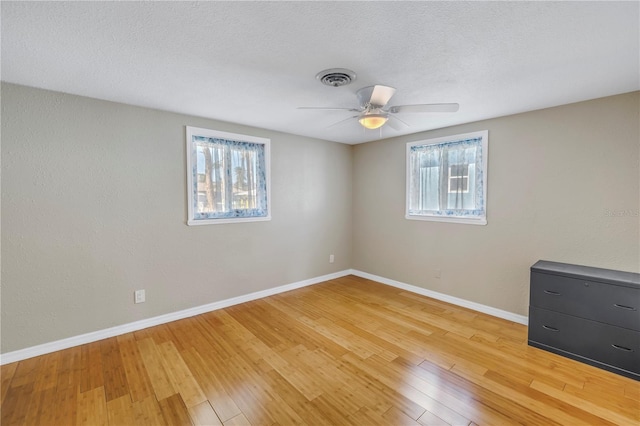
(336, 77)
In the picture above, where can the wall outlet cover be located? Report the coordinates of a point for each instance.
(139, 296)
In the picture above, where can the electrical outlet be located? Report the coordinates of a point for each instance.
(331, 258)
(139, 296)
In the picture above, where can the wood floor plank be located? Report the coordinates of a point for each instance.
(160, 381)
(121, 411)
(422, 319)
(213, 389)
(429, 303)
(6, 375)
(536, 362)
(471, 356)
(430, 419)
(239, 388)
(302, 380)
(114, 374)
(296, 400)
(66, 405)
(257, 321)
(27, 372)
(622, 404)
(370, 381)
(136, 375)
(286, 305)
(47, 377)
(534, 401)
(174, 411)
(347, 351)
(213, 338)
(459, 397)
(181, 377)
(588, 406)
(203, 415)
(364, 416)
(632, 391)
(344, 382)
(238, 378)
(266, 405)
(17, 405)
(610, 383)
(161, 333)
(406, 388)
(332, 412)
(91, 367)
(42, 409)
(239, 420)
(70, 369)
(148, 412)
(394, 416)
(92, 408)
(328, 380)
(486, 406)
(415, 347)
(184, 333)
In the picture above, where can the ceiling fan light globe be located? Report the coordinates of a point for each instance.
(373, 121)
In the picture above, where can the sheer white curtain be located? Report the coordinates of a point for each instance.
(443, 177)
(231, 178)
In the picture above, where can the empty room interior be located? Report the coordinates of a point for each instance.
(322, 213)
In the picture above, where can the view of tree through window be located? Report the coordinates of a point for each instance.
(229, 177)
(219, 192)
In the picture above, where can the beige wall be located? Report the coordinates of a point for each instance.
(563, 186)
(94, 207)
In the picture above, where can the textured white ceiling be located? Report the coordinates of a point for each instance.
(254, 62)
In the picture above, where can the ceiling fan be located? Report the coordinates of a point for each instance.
(373, 111)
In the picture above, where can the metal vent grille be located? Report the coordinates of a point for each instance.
(336, 77)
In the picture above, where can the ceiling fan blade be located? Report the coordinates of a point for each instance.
(331, 109)
(381, 95)
(396, 124)
(424, 108)
(342, 121)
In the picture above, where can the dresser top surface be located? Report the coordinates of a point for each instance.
(628, 279)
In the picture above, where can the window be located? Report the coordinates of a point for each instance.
(447, 179)
(227, 177)
(459, 178)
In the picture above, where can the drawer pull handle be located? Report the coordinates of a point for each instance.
(546, 327)
(624, 307)
(622, 348)
(553, 293)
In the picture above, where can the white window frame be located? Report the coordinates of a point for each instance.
(471, 220)
(191, 180)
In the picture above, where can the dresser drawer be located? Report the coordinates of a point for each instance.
(612, 304)
(593, 342)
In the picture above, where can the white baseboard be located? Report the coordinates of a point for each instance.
(510, 316)
(58, 345)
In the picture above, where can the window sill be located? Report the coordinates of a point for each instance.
(229, 220)
(463, 220)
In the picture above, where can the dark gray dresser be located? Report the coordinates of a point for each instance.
(588, 314)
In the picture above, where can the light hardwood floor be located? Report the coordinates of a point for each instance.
(347, 351)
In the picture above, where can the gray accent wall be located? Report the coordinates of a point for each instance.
(563, 185)
(94, 207)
